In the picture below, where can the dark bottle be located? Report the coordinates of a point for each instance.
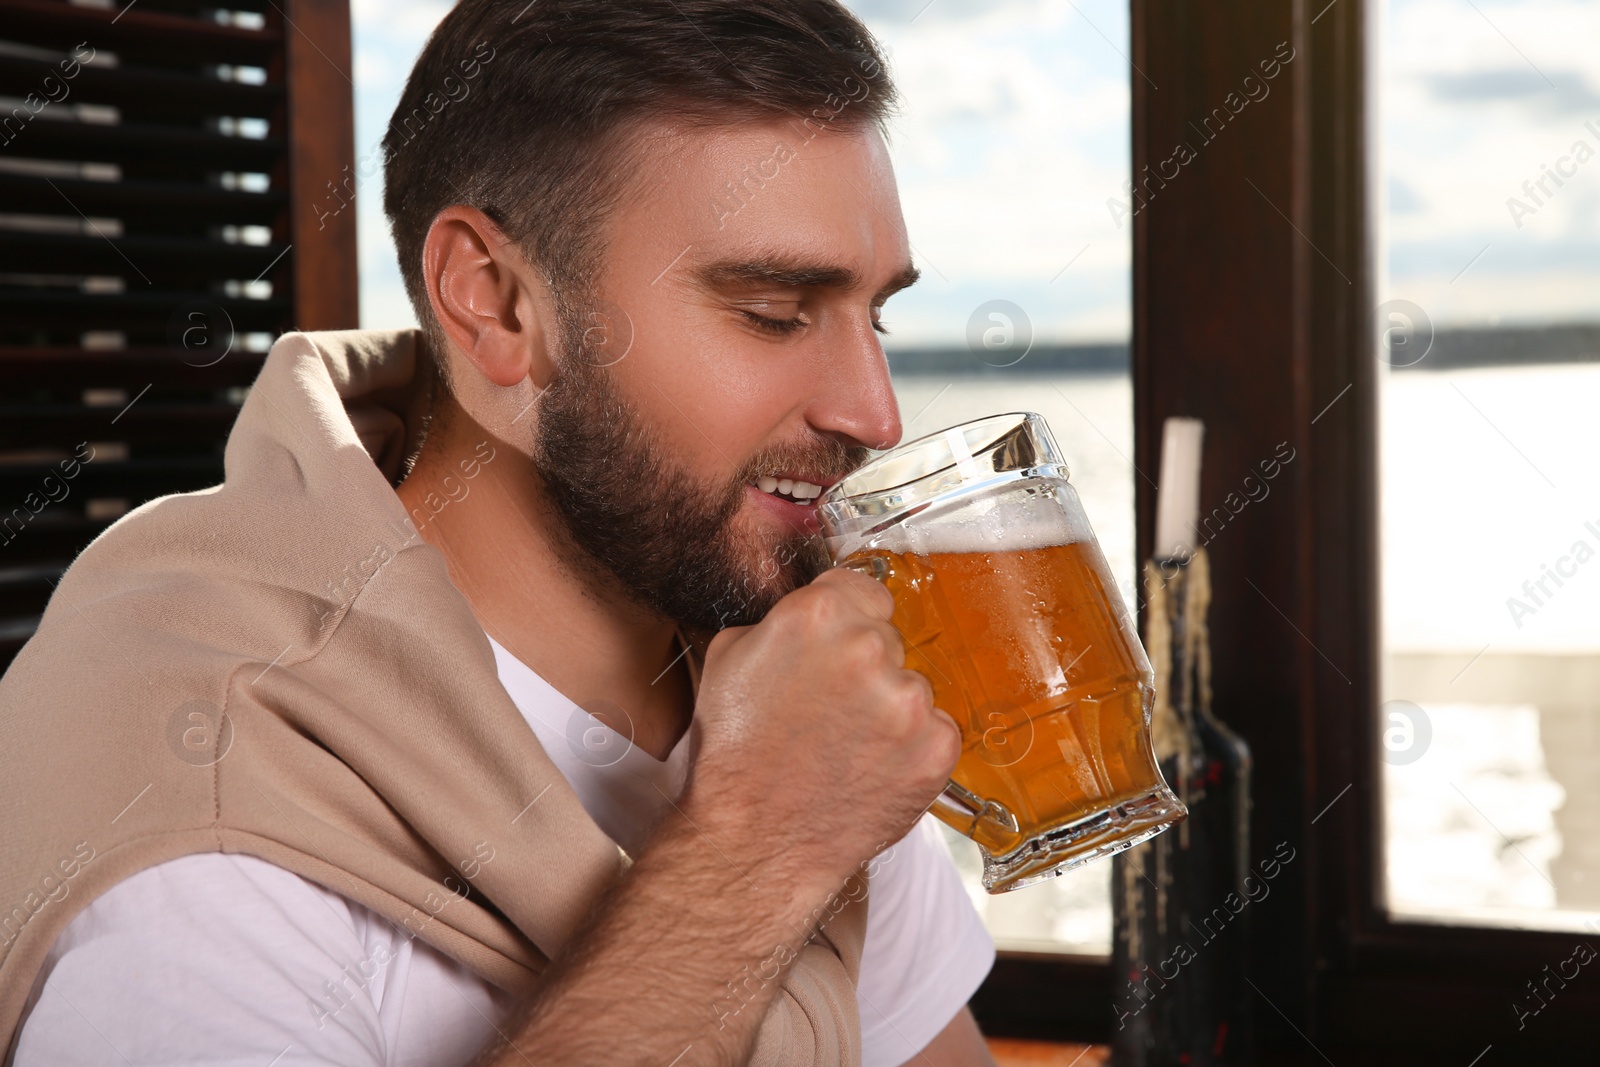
(1181, 916)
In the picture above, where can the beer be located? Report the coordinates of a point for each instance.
(1050, 689)
(1007, 607)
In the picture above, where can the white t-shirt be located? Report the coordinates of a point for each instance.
(229, 960)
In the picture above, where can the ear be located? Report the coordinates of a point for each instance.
(491, 303)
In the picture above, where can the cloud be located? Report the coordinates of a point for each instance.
(1467, 120)
(1566, 90)
(900, 12)
(1403, 199)
(1013, 132)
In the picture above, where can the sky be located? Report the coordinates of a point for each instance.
(387, 36)
(1478, 98)
(1014, 133)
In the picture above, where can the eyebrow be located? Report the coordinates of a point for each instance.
(792, 275)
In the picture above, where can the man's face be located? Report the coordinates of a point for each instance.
(732, 345)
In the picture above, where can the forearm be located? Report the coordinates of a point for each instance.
(649, 976)
(815, 746)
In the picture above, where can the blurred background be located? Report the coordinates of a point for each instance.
(1492, 230)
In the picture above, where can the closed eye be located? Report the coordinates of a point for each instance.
(783, 327)
(767, 324)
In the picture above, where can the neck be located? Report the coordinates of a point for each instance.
(481, 504)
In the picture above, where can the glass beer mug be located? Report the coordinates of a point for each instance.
(1007, 606)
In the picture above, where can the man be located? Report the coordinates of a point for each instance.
(649, 244)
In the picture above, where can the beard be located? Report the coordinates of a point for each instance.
(670, 540)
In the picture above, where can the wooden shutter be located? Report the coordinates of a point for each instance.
(168, 181)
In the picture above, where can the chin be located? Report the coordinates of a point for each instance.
(775, 559)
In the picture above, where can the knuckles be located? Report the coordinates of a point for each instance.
(868, 594)
(946, 750)
(898, 709)
(913, 697)
(834, 613)
(811, 608)
(876, 648)
(721, 641)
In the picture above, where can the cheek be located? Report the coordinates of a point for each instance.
(713, 400)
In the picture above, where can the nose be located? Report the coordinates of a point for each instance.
(855, 401)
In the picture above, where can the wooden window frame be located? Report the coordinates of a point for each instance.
(1253, 309)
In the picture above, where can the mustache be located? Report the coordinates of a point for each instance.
(822, 457)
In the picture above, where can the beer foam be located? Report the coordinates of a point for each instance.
(1005, 524)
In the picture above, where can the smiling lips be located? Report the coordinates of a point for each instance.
(794, 490)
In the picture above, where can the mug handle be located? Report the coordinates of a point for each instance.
(957, 806)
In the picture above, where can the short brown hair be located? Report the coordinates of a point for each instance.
(521, 110)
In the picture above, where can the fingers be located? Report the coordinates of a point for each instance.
(843, 601)
(867, 593)
(853, 593)
(930, 732)
(920, 691)
(951, 742)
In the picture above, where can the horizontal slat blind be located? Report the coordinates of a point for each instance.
(150, 250)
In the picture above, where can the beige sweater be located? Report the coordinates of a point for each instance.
(279, 666)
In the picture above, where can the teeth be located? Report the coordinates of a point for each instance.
(792, 488)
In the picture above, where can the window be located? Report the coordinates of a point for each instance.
(1490, 508)
(1261, 305)
(387, 38)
